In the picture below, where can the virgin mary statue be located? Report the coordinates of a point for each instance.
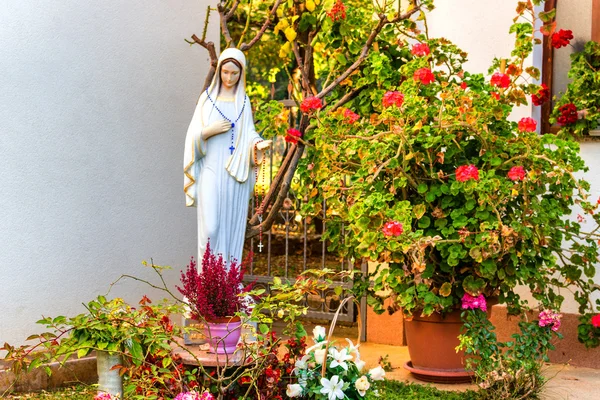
(221, 149)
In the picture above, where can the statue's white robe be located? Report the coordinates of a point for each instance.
(217, 182)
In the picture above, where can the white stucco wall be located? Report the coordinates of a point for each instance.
(95, 102)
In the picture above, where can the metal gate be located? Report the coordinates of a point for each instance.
(293, 245)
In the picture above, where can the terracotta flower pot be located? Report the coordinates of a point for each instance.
(223, 334)
(432, 345)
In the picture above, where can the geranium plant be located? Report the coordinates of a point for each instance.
(436, 181)
(578, 109)
(214, 291)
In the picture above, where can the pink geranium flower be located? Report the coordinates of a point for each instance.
(516, 173)
(424, 75)
(551, 319)
(474, 303)
(392, 99)
(292, 135)
(527, 125)
(351, 116)
(596, 321)
(311, 104)
(466, 172)
(392, 228)
(420, 49)
(500, 80)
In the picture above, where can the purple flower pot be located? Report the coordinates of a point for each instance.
(223, 336)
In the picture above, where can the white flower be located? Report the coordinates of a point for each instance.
(320, 356)
(360, 364)
(377, 373)
(339, 358)
(302, 363)
(332, 388)
(362, 385)
(319, 333)
(280, 313)
(376, 392)
(352, 348)
(294, 390)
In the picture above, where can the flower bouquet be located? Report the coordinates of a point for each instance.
(328, 372)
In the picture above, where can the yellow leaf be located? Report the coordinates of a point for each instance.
(281, 25)
(310, 5)
(285, 50)
(446, 289)
(290, 33)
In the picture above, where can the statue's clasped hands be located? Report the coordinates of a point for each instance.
(216, 128)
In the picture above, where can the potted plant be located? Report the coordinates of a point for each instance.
(119, 334)
(578, 110)
(215, 295)
(427, 174)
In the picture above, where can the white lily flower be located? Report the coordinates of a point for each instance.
(339, 358)
(332, 388)
(316, 345)
(352, 348)
(360, 364)
(320, 356)
(294, 390)
(319, 333)
(362, 385)
(302, 363)
(377, 373)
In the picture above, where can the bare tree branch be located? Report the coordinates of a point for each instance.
(275, 184)
(224, 28)
(383, 21)
(252, 231)
(263, 29)
(234, 7)
(212, 52)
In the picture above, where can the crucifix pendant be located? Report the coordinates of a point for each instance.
(231, 149)
(260, 246)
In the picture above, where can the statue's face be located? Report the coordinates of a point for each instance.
(230, 75)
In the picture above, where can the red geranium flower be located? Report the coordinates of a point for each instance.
(596, 321)
(424, 75)
(392, 228)
(338, 11)
(351, 116)
(393, 98)
(500, 80)
(561, 38)
(310, 104)
(466, 172)
(542, 96)
(420, 49)
(292, 135)
(568, 114)
(527, 125)
(495, 95)
(463, 85)
(516, 173)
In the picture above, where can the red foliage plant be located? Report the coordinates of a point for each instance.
(214, 291)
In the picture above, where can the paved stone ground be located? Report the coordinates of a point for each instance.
(566, 382)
